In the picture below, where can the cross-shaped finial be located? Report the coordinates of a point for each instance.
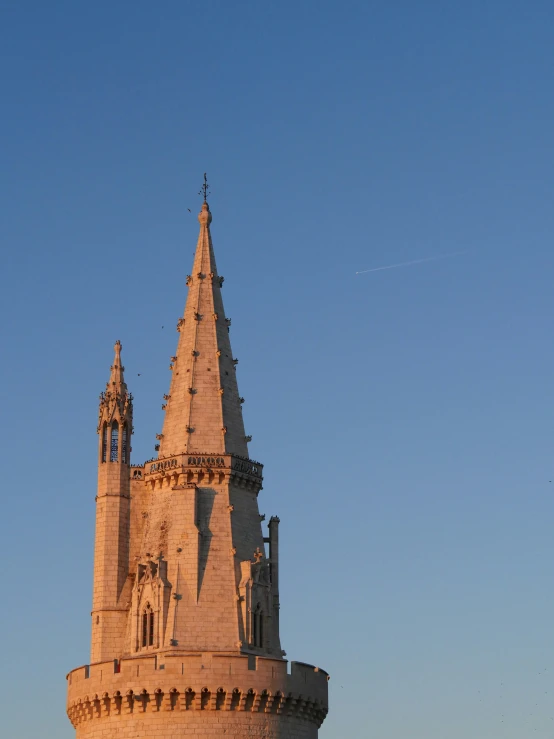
(258, 555)
(205, 189)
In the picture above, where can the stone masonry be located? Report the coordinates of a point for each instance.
(185, 617)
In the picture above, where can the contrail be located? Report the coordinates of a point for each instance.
(414, 261)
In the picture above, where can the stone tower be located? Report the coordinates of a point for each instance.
(185, 620)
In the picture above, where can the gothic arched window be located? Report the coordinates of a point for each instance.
(104, 441)
(147, 626)
(114, 440)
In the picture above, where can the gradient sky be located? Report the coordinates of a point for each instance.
(404, 417)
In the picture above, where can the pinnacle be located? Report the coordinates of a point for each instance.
(116, 403)
(203, 412)
(116, 371)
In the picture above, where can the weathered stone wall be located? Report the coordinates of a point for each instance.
(200, 724)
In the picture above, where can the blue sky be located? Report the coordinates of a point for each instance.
(403, 416)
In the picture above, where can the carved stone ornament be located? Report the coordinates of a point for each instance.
(215, 316)
(248, 438)
(189, 280)
(258, 555)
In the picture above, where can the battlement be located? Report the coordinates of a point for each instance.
(197, 682)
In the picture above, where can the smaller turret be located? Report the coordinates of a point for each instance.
(111, 546)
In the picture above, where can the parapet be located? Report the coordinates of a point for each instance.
(197, 682)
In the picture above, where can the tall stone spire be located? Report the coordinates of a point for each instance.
(203, 408)
(185, 618)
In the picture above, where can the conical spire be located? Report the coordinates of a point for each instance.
(203, 408)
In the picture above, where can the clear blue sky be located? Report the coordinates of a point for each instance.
(404, 417)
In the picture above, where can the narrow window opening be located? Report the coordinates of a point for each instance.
(258, 627)
(151, 633)
(261, 630)
(124, 445)
(148, 626)
(144, 628)
(114, 442)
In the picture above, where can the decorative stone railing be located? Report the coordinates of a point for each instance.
(187, 468)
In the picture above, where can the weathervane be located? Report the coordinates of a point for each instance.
(204, 190)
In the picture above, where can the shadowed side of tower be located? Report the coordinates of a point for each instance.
(185, 621)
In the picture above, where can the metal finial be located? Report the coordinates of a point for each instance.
(205, 189)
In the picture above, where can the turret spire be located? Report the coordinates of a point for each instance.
(203, 408)
(114, 414)
(116, 370)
